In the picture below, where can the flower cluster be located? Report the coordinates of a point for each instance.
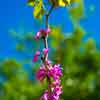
(54, 72)
(42, 33)
(49, 71)
(37, 54)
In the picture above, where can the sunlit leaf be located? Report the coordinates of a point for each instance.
(75, 1)
(64, 2)
(77, 12)
(38, 10)
(31, 2)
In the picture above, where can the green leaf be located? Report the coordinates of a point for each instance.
(31, 2)
(75, 1)
(64, 2)
(38, 11)
(77, 12)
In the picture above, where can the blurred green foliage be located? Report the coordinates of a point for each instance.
(80, 61)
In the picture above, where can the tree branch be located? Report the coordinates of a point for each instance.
(45, 41)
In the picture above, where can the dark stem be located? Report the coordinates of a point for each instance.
(47, 26)
(46, 46)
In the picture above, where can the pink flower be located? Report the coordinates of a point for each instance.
(48, 62)
(45, 51)
(45, 96)
(42, 31)
(45, 32)
(55, 72)
(41, 73)
(48, 30)
(55, 93)
(36, 56)
(58, 90)
(47, 71)
(56, 83)
(38, 35)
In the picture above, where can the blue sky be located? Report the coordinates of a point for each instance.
(15, 14)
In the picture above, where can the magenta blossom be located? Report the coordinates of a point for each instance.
(41, 73)
(42, 32)
(58, 90)
(48, 71)
(54, 95)
(45, 95)
(45, 51)
(48, 62)
(55, 71)
(56, 83)
(38, 35)
(36, 56)
(48, 30)
(45, 32)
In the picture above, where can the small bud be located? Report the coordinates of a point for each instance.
(36, 56)
(38, 35)
(48, 30)
(45, 51)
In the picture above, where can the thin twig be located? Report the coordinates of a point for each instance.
(45, 41)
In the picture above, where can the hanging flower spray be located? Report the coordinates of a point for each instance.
(49, 71)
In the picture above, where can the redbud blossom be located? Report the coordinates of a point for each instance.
(58, 90)
(38, 35)
(41, 73)
(48, 30)
(48, 71)
(45, 32)
(44, 96)
(55, 72)
(48, 62)
(36, 56)
(55, 94)
(42, 32)
(56, 83)
(45, 51)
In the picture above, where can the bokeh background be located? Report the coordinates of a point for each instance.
(75, 46)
